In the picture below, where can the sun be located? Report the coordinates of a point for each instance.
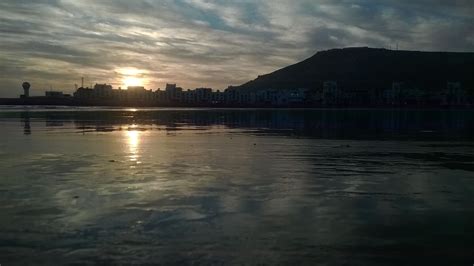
(131, 76)
(132, 81)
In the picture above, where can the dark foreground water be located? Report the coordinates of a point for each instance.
(197, 186)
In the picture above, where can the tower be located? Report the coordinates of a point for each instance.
(26, 89)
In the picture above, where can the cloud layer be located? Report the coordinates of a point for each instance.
(52, 43)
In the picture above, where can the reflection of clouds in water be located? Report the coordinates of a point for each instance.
(238, 190)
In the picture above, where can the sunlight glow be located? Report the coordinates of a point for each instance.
(131, 76)
(133, 141)
(132, 81)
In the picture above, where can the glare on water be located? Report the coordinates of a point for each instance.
(133, 142)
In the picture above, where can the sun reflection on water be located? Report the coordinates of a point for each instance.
(133, 141)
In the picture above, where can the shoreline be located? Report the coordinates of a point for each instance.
(74, 103)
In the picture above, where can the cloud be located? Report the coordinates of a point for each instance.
(206, 43)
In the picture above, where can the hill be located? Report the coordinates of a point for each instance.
(371, 67)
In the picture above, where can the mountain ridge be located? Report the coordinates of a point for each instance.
(355, 66)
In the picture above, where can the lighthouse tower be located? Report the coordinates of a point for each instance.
(26, 89)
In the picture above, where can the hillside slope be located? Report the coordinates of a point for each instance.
(371, 67)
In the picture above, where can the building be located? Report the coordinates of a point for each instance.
(331, 95)
(395, 94)
(173, 93)
(55, 94)
(26, 90)
(203, 95)
(298, 96)
(454, 94)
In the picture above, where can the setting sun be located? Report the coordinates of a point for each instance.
(132, 81)
(131, 76)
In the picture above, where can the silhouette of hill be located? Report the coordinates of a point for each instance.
(371, 67)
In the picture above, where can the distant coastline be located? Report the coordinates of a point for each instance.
(338, 78)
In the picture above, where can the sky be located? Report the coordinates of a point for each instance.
(200, 43)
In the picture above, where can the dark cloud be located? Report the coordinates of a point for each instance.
(207, 43)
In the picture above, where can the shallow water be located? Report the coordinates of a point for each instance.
(213, 186)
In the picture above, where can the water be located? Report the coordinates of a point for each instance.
(185, 186)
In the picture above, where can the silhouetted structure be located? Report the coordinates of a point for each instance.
(26, 89)
(49, 98)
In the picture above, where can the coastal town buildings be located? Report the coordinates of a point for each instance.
(330, 93)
